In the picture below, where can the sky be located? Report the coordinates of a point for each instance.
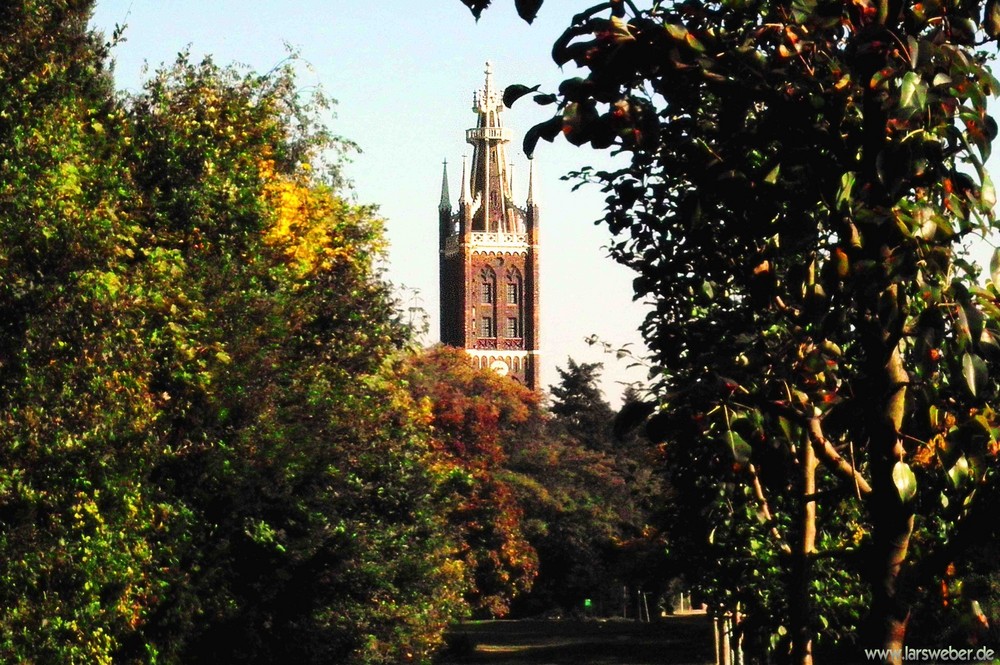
(403, 74)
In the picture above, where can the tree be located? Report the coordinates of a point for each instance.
(316, 528)
(205, 455)
(580, 408)
(480, 419)
(801, 178)
(588, 502)
(79, 525)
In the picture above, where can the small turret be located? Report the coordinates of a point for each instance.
(445, 203)
(531, 182)
(531, 208)
(465, 198)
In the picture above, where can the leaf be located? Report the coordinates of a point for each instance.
(940, 79)
(561, 50)
(913, 93)
(678, 32)
(976, 319)
(975, 372)
(476, 6)
(962, 330)
(514, 92)
(575, 89)
(527, 9)
(788, 429)
(693, 42)
(547, 130)
(846, 186)
(905, 481)
(802, 10)
(995, 267)
(959, 472)
(620, 31)
(988, 344)
(991, 18)
(988, 193)
(741, 449)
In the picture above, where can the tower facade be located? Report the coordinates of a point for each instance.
(489, 254)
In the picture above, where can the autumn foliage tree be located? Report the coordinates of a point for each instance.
(551, 507)
(800, 180)
(479, 420)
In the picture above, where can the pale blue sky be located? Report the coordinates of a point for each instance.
(403, 73)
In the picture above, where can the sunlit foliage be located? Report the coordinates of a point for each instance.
(202, 456)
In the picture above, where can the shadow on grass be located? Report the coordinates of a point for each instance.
(672, 641)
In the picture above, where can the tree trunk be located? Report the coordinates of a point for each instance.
(801, 602)
(892, 519)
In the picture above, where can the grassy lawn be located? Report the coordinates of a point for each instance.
(674, 640)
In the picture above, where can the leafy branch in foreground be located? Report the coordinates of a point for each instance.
(801, 179)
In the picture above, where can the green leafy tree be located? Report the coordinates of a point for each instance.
(77, 423)
(588, 498)
(580, 408)
(800, 178)
(317, 519)
(205, 456)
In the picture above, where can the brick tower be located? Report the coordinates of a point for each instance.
(489, 254)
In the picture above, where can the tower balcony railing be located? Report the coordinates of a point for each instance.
(481, 238)
(499, 238)
(488, 134)
(494, 343)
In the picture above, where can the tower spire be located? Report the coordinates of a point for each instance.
(445, 203)
(489, 180)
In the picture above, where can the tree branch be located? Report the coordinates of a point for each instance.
(833, 460)
(758, 492)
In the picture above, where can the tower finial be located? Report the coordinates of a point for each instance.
(488, 88)
(487, 99)
(445, 195)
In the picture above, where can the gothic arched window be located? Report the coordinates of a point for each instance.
(488, 296)
(515, 287)
(487, 287)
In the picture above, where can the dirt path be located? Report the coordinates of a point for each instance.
(678, 640)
